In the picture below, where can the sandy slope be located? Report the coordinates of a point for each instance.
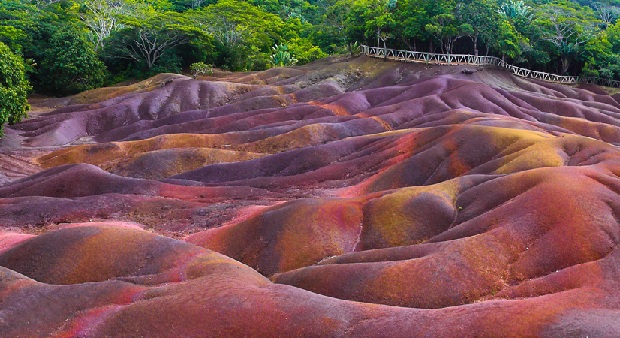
(343, 198)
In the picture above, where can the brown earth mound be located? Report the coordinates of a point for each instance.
(349, 197)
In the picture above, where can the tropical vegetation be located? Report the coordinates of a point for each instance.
(67, 46)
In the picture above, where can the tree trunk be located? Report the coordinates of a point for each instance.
(384, 50)
(448, 46)
(408, 44)
(475, 41)
(565, 64)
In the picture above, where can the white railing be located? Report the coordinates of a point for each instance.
(466, 59)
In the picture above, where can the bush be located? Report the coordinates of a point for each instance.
(70, 64)
(304, 51)
(281, 56)
(200, 68)
(14, 87)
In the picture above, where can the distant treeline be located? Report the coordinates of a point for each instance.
(564, 37)
(68, 46)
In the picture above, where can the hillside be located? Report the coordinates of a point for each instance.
(346, 197)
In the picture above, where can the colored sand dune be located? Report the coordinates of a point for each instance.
(343, 198)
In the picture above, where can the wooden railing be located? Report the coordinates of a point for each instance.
(466, 59)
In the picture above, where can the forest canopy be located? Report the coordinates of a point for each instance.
(67, 46)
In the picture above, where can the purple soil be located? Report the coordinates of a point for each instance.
(348, 197)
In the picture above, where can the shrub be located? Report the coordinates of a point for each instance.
(281, 56)
(304, 51)
(14, 87)
(200, 68)
(70, 64)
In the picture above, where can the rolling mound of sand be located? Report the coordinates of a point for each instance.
(348, 197)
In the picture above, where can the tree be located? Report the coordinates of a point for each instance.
(102, 18)
(507, 40)
(516, 10)
(230, 41)
(380, 21)
(181, 5)
(21, 27)
(146, 45)
(14, 87)
(11, 36)
(607, 14)
(600, 60)
(145, 42)
(355, 22)
(45, 2)
(330, 32)
(446, 29)
(413, 15)
(70, 64)
(482, 18)
(613, 35)
(243, 34)
(567, 29)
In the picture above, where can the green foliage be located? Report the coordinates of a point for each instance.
(330, 29)
(200, 68)
(507, 40)
(289, 9)
(304, 50)
(356, 49)
(600, 59)
(138, 38)
(566, 28)
(242, 33)
(516, 10)
(281, 56)
(613, 36)
(25, 27)
(483, 20)
(14, 87)
(152, 45)
(11, 36)
(70, 64)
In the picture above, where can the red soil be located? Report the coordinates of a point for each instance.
(343, 198)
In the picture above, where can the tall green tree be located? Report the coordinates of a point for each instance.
(103, 17)
(482, 18)
(446, 27)
(331, 31)
(151, 44)
(567, 27)
(413, 15)
(613, 36)
(14, 87)
(600, 60)
(507, 41)
(22, 27)
(243, 34)
(70, 64)
(606, 13)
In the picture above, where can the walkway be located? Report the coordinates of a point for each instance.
(466, 59)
